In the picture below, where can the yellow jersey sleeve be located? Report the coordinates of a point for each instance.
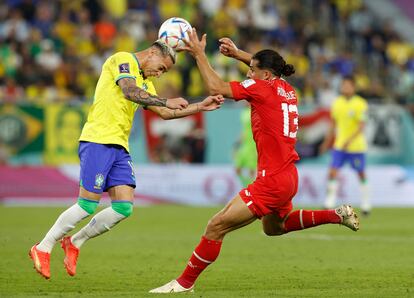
(111, 115)
(123, 65)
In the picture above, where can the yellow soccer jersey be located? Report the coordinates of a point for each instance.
(111, 114)
(348, 115)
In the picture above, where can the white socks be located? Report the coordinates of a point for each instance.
(65, 223)
(365, 197)
(99, 224)
(331, 195)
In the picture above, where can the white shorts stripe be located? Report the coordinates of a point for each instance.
(249, 203)
(301, 219)
(263, 173)
(201, 259)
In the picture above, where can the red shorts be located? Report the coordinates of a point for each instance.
(272, 193)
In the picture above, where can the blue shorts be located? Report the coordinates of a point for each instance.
(339, 158)
(104, 166)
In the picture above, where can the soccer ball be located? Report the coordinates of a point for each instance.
(173, 31)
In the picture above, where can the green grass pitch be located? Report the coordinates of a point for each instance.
(153, 246)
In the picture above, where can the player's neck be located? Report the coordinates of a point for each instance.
(274, 78)
(141, 58)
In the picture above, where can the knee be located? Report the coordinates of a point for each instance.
(88, 205)
(274, 231)
(215, 227)
(124, 208)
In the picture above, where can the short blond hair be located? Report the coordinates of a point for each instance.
(165, 49)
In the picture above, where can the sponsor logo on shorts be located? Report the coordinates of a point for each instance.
(124, 68)
(99, 180)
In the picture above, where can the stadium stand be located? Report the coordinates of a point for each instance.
(52, 51)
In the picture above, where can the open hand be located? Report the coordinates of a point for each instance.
(176, 103)
(194, 45)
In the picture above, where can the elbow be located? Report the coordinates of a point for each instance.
(214, 90)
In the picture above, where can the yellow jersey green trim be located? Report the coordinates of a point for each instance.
(123, 77)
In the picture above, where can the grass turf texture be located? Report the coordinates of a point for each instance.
(153, 246)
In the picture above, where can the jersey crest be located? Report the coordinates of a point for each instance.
(124, 68)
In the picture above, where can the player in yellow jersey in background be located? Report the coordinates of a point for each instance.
(349, 113)
(105, 164)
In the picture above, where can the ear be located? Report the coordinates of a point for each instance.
(267, 74)
(152, 51)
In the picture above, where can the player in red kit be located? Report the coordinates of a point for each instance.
(274, 116)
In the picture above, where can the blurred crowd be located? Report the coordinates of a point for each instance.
(52, 51)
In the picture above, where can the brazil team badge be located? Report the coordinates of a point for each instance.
(99, 180)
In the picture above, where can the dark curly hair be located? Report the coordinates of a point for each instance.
(271, 60)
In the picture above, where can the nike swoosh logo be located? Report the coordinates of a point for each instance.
(36, 259)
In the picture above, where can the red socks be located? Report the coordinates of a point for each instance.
(303, 219)
(207, 250)
(205, 253)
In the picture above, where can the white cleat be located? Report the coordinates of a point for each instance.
(348, 216)
(172, 287)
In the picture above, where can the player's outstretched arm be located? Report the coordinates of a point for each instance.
(133, 93)
(228, 48)
(210, 103)
(214, 84)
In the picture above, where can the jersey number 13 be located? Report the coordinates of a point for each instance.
(290, 113)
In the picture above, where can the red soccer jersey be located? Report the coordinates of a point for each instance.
(274, 116)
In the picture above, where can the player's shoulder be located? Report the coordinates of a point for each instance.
(359, 98)
(360, 101)
(339, 100)
(121, 56)
(250, 83)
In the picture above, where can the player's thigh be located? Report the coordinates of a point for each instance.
(122, 172)
(357, 161)
(338, 159)
(96, 161)
(85, 194)
(121, 193)
(272, 224)
(233, 216)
